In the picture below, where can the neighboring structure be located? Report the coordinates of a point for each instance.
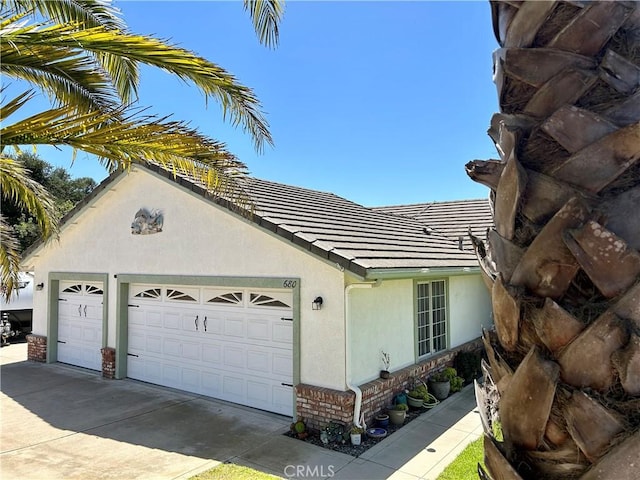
(286, 309)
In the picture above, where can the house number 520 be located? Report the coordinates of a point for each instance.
(289, 284)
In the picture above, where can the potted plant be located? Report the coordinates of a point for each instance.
(299, 427)
(382, 420)
(356, 435)
(439, 385)
(398, 413)
(386, 362)
(417, 396)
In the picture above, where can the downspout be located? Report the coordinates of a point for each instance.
(347, 356)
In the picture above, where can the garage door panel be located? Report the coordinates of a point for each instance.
(154, 345)
(282, 332)
(258, 329)
(282, 364)
(233, 357)
(234, 327)
(240, 352)
(233, 388)
(258, 362)
(258, 393)
(190, 379)
(173, 321)
(153, 319)
(191, 350)
(211, 384)
(212, 354)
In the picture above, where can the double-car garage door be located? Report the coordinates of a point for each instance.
(234, 344)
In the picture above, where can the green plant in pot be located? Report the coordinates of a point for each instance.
(398, 413)
(356, 435)
(299, 427)
(386, 362)
(439, 385)
(417, 396)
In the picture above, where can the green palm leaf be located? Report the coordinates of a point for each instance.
(9, 259)
(237, 101)
(266, 15)
(133, 138)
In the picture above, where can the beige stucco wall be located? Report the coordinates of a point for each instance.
(469, 308)
(383, 318)
(198, 238)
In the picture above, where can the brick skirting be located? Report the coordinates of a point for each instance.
(36, 348)
(108, 362)
(319, 405)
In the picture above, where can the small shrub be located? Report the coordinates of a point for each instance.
(401, 406)
(468, 365)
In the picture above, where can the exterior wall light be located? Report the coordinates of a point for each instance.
(40, 286)
(317, 304)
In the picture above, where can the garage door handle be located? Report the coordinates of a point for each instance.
(285, 319)
(205, 324)
(132, 355)
(129, 305)
(80, 310)
(60, 341)
(197, 322)
(85, 310)
(286, 384)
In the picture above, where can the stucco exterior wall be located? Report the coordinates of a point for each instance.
(383, 318)
(469, 308)
(198, 238)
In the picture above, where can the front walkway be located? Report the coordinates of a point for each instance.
(65, 422)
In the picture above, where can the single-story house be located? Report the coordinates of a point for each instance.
(286, 308)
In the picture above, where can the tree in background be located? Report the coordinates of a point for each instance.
(81, 54)
(65, 191)
(561, 397)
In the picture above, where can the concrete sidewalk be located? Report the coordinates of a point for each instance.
(65, 422)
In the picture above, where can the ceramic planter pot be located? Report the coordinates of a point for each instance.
(382, 420)
(356, 438)
(440, 390)
(415, 402)
(397, 417)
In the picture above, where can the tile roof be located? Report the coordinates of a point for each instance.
(363, 239)
(358, 238)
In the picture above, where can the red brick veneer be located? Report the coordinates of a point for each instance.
(36, 348)
(319, 405)
(108, 362)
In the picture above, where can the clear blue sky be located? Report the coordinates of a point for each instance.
(382, 103)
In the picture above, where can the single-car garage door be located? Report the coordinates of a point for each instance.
(235, 344)
(80, 324)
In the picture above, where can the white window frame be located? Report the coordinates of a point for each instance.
(436, 314)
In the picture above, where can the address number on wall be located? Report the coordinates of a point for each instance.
(289, 283)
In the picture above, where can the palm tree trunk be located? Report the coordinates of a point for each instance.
(561, 397)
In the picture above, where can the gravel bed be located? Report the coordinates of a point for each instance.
(367, 442)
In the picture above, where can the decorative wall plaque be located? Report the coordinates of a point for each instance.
(147, 222)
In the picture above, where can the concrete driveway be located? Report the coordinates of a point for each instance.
(65, 422)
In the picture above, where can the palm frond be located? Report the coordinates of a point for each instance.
(266, 16)
(68, 78)
(27, 194)
(15, 104)
(237, 101)
(91, 13)
(9, 259)
(133, 138)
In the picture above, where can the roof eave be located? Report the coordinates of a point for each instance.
(404, 273)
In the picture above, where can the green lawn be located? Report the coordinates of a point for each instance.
(229, 471)
(465, 466)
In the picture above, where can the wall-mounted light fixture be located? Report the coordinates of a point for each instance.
(40, 286)
(317, 304)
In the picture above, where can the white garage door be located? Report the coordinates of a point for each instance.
(235, 344)
(80, 324)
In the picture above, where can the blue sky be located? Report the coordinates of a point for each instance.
(379, 102)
